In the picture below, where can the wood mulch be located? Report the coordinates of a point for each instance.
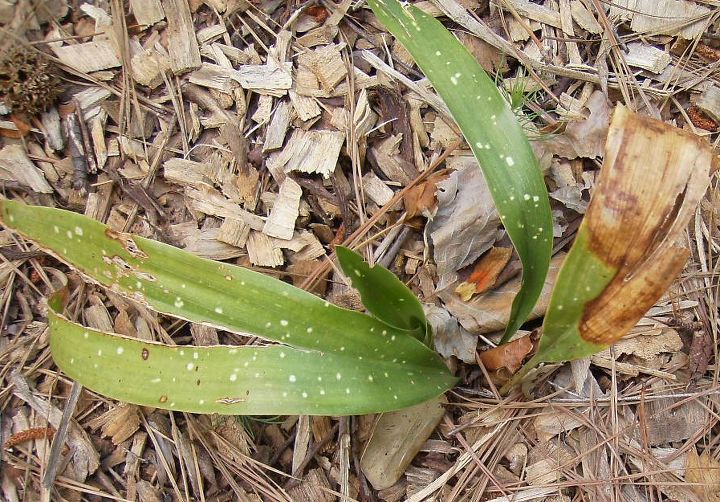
(262, 133)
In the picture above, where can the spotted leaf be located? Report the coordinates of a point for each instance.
(625, 255)
(375, 361)
(495, 136)
(383, 294)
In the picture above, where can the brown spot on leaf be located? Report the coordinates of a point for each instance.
(163, 398)
(127, 242)
(145, 354)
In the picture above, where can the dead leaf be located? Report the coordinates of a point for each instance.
(655, 207)
(585, 138)
(420, 200)
(503, 361)
(450, 339)
(703, 470)
(490, 311)
(485, 273)
(466, 222)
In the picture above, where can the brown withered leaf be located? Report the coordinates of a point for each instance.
(420, 199)
(508, 357)
(484, 273)
(636, 216)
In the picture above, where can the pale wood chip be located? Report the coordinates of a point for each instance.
(147, 12)
(188, 173)
(16, 166)
(89, 56)
(264, 109)
(182, 43)
(584, 18)
(265, 79)
(210, 33)
(305, 106)
(281, 221)
(262, 252)
(647, 57)
(326, 64)
(709, 102)
(319, 36)
(234, 232)
(120, 423)
(214, 77)
(148, 67)
(212, 202)
(540, 13)
(309, 152)
(315, 487)
(275, 133)
(666, 17)
(204, 243)
(376, 190)
(304, 245)
(53, 129)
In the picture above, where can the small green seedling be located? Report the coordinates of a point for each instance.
(326, 360)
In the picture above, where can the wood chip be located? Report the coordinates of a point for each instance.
(540, 13)
(212, 202)
(148, 67)
(262, 252)
(275, 133)
(305, 106)
(281, 222)
(309, 152)
(147, 12)
(647, 57)
(188, 173)
(584, 18)
(182, 43)
(88, 57)
(376, 190)
(234, 232)
(326, 64)
(16, 166)
(666, 17)
(709, 102)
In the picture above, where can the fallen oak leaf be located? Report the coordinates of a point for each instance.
(485, 273)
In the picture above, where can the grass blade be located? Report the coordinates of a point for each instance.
(495, 136)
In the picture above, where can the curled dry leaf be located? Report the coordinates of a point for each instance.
(485, 273)
(508, 357)
(420, 200)
(625, 257)
(584, 138)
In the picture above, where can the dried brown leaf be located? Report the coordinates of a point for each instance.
(485, 273)
(657, 209)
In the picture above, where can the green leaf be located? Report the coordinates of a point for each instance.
(495, 136)
(624, 256)
(382, 367)
(383, 294)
